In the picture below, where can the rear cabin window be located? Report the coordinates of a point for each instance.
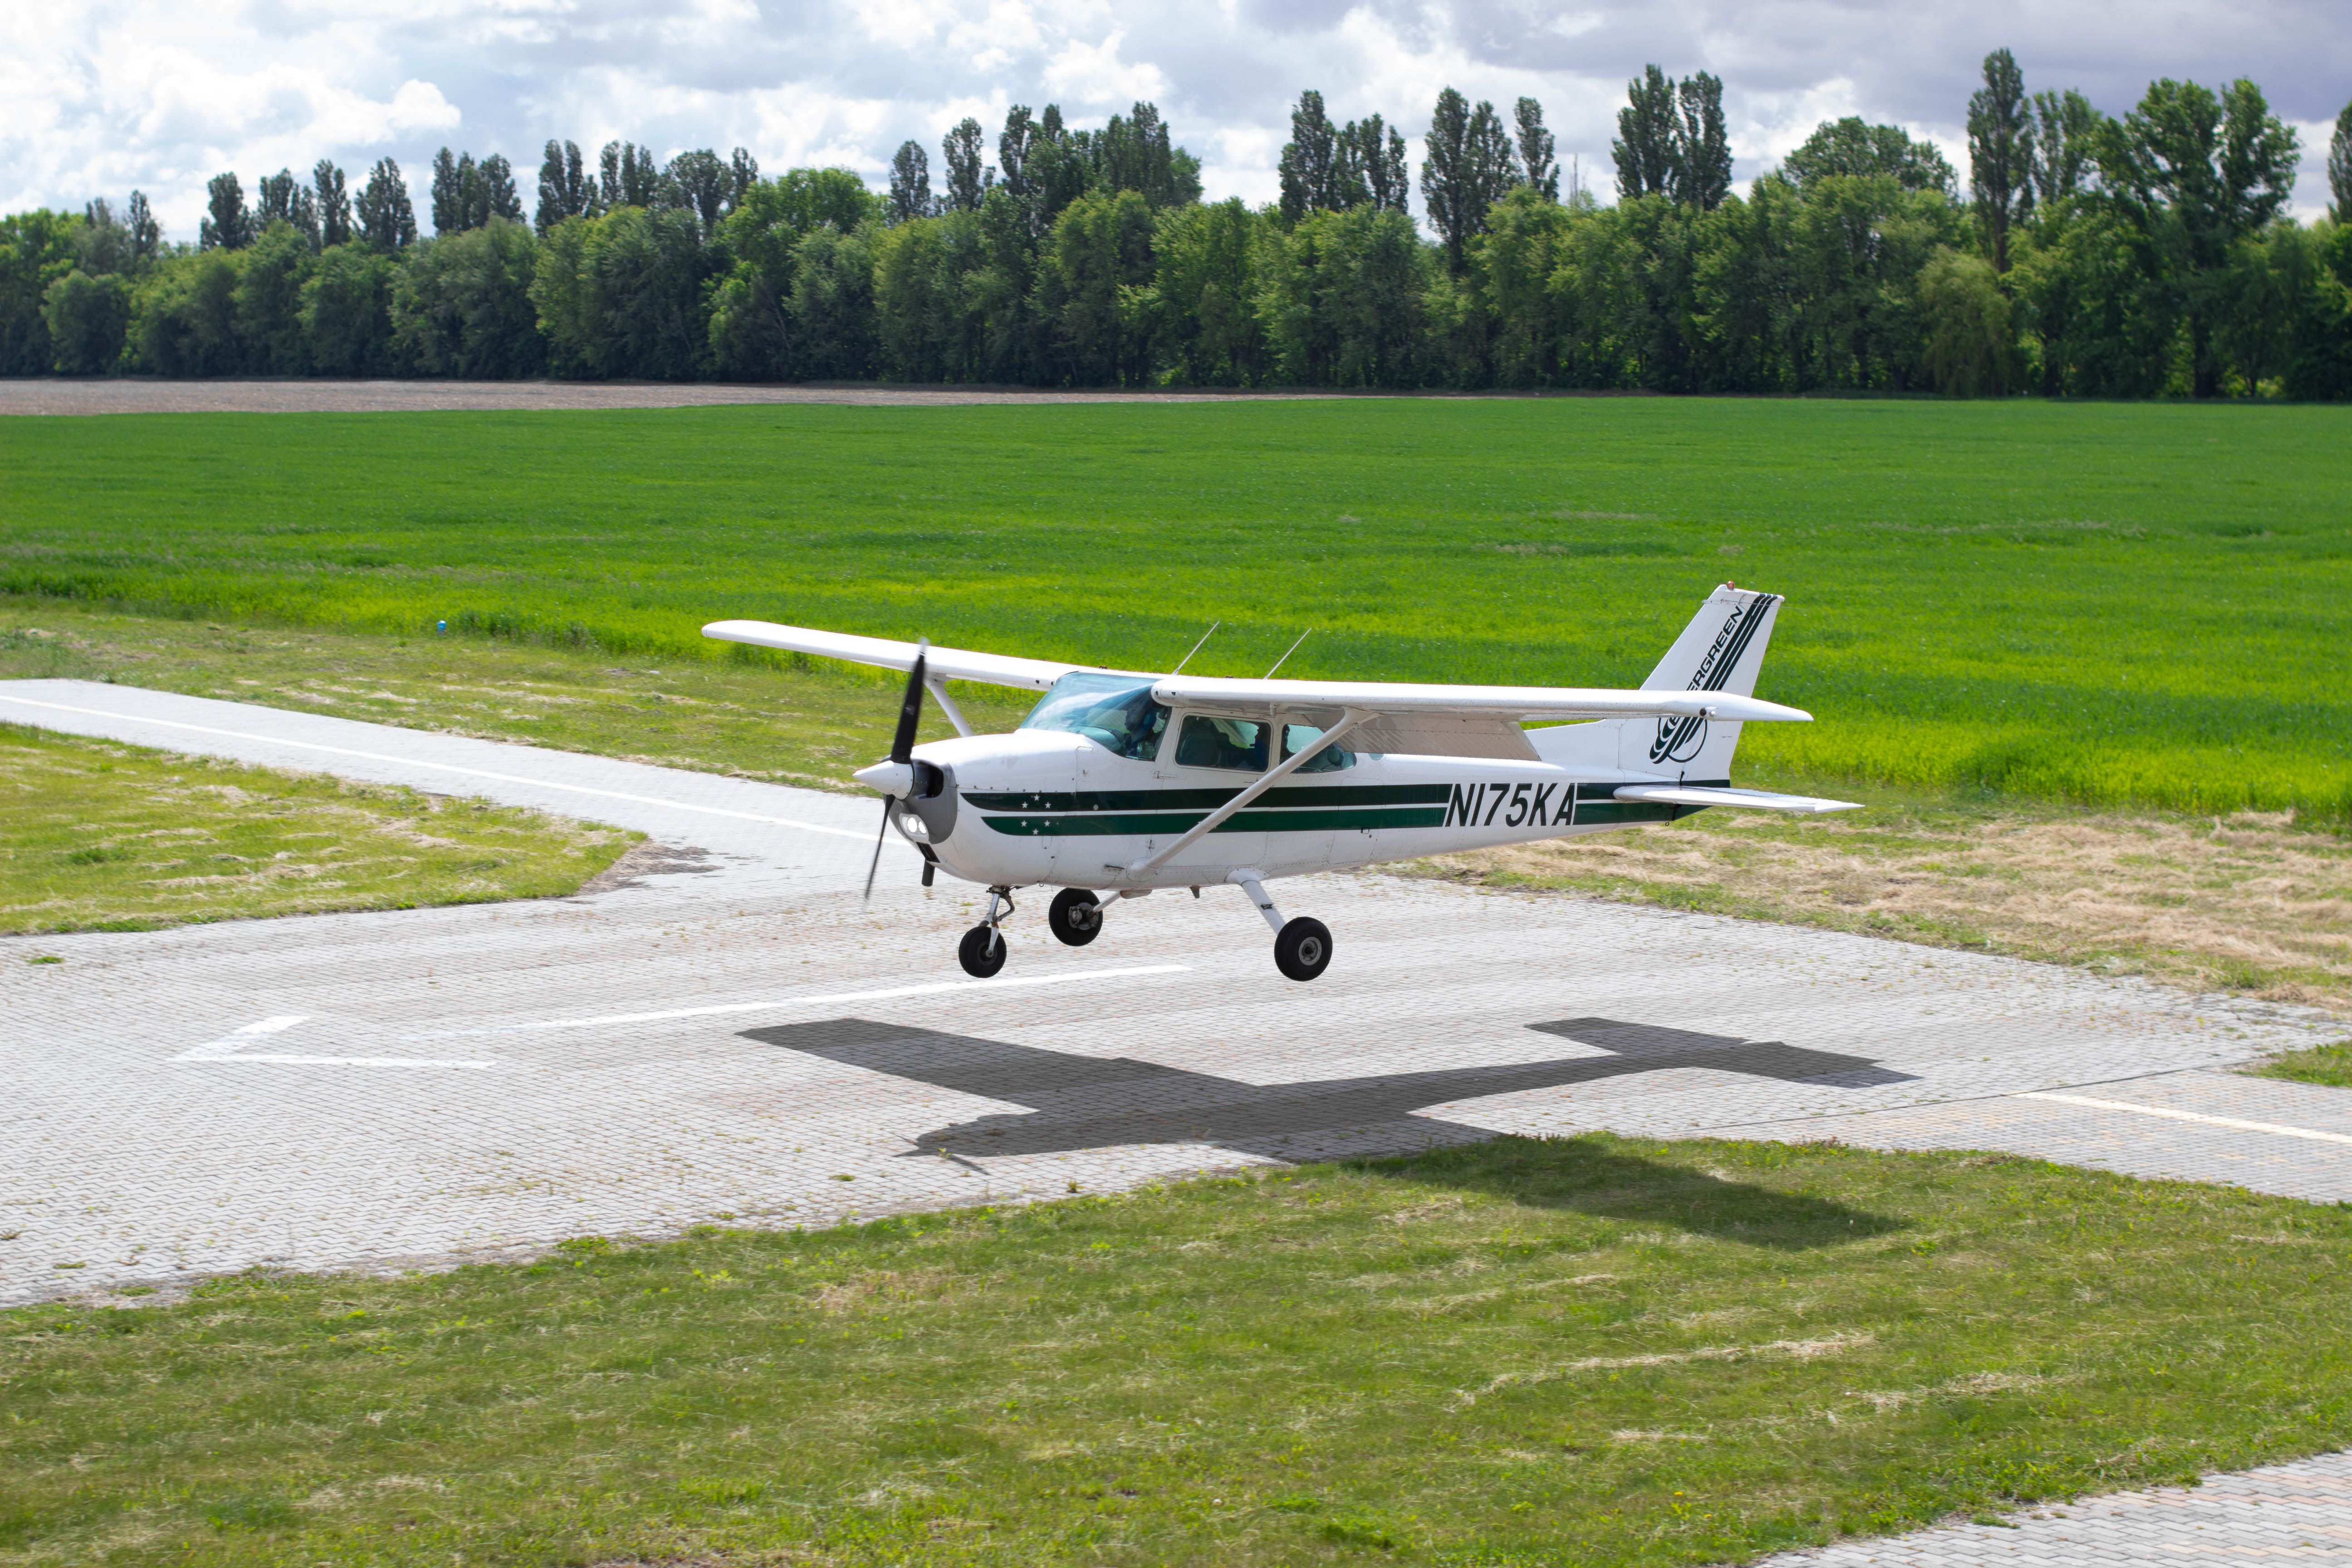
(1115, 712)
(1298, 738)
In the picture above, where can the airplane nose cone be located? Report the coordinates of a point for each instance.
(891, 778)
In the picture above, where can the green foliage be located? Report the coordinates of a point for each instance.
(88, 318)
(2095, 602)
(1590, 1350)
(36, 249)
(1093, 263)
(462, 305)
(346, 312)
(1969, 347)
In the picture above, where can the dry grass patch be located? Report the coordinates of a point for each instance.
(2254, 903)
(96, 835)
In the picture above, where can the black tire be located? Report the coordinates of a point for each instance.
(981, 952)
(1076, 917)
(1302, 949)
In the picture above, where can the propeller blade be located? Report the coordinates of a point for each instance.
(910, 710)
(902, 750)
(876, 863)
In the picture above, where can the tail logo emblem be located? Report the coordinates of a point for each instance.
(1680, 740)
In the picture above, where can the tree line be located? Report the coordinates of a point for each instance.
(2144, 254)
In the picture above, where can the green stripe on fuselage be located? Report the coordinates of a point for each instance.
(1155, 824)
(1207, 800)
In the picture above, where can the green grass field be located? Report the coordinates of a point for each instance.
(2110, 603)
(1527, 1352)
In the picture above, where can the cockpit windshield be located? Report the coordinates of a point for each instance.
(1115, 712)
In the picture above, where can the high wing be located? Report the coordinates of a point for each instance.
(939, 663)
(1397, 717)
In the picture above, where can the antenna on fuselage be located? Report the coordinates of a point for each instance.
(1197, 647)
(1288, 651)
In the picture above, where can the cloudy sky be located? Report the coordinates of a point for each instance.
(105, 95)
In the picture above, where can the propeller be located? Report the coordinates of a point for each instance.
(902, 752)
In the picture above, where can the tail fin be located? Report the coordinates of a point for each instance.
(1720, 650)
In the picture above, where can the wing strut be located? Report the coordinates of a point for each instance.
(1258, 786)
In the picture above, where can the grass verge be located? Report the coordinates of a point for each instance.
(2254, 903)
(97, 835)
(2327, 1064)
(1528, 1352)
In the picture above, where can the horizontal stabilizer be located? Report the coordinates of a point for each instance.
(939, 663)
(1753, 799)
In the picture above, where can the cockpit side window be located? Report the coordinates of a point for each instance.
(1206, 743)
(1115, 712)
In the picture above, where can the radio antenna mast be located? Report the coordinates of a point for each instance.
(1196, 647)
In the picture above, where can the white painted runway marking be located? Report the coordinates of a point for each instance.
(2170, 1114)
(228, 1049)
(935, 988)
(446, 768)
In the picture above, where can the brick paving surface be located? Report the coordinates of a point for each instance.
(2299, 1513)
(729, 1035)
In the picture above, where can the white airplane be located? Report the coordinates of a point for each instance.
(1122, 783)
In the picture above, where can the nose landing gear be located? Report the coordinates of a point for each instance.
(981, 952)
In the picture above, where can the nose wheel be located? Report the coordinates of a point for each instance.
(981, 952)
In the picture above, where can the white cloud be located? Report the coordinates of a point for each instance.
(161, 94)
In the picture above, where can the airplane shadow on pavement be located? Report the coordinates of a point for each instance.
(1098, 1102)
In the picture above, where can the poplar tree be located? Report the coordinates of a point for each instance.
(146, 234)
(284, 199)
(498, 198)
(333, 204)
(1537, 167)
(387, 221)
(969, 177)
(2339, 165)
(1469, 166)
(1701, 164)
(1646, 133)
(228, 226)
(564, 189)
(449, 177)
(1312, 163)
(2001, 153)
(910, 184)
(1379, 172)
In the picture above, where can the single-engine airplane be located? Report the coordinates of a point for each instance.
(1123, 782)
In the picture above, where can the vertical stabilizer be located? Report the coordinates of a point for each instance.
(1720, 650)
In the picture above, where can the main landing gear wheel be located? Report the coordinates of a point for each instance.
(1302, 948)
(981, 952)
(1076, 917)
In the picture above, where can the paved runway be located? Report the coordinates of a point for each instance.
(733, 1036)
(730, 1035)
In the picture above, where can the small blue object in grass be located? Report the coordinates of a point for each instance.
(440, 625)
